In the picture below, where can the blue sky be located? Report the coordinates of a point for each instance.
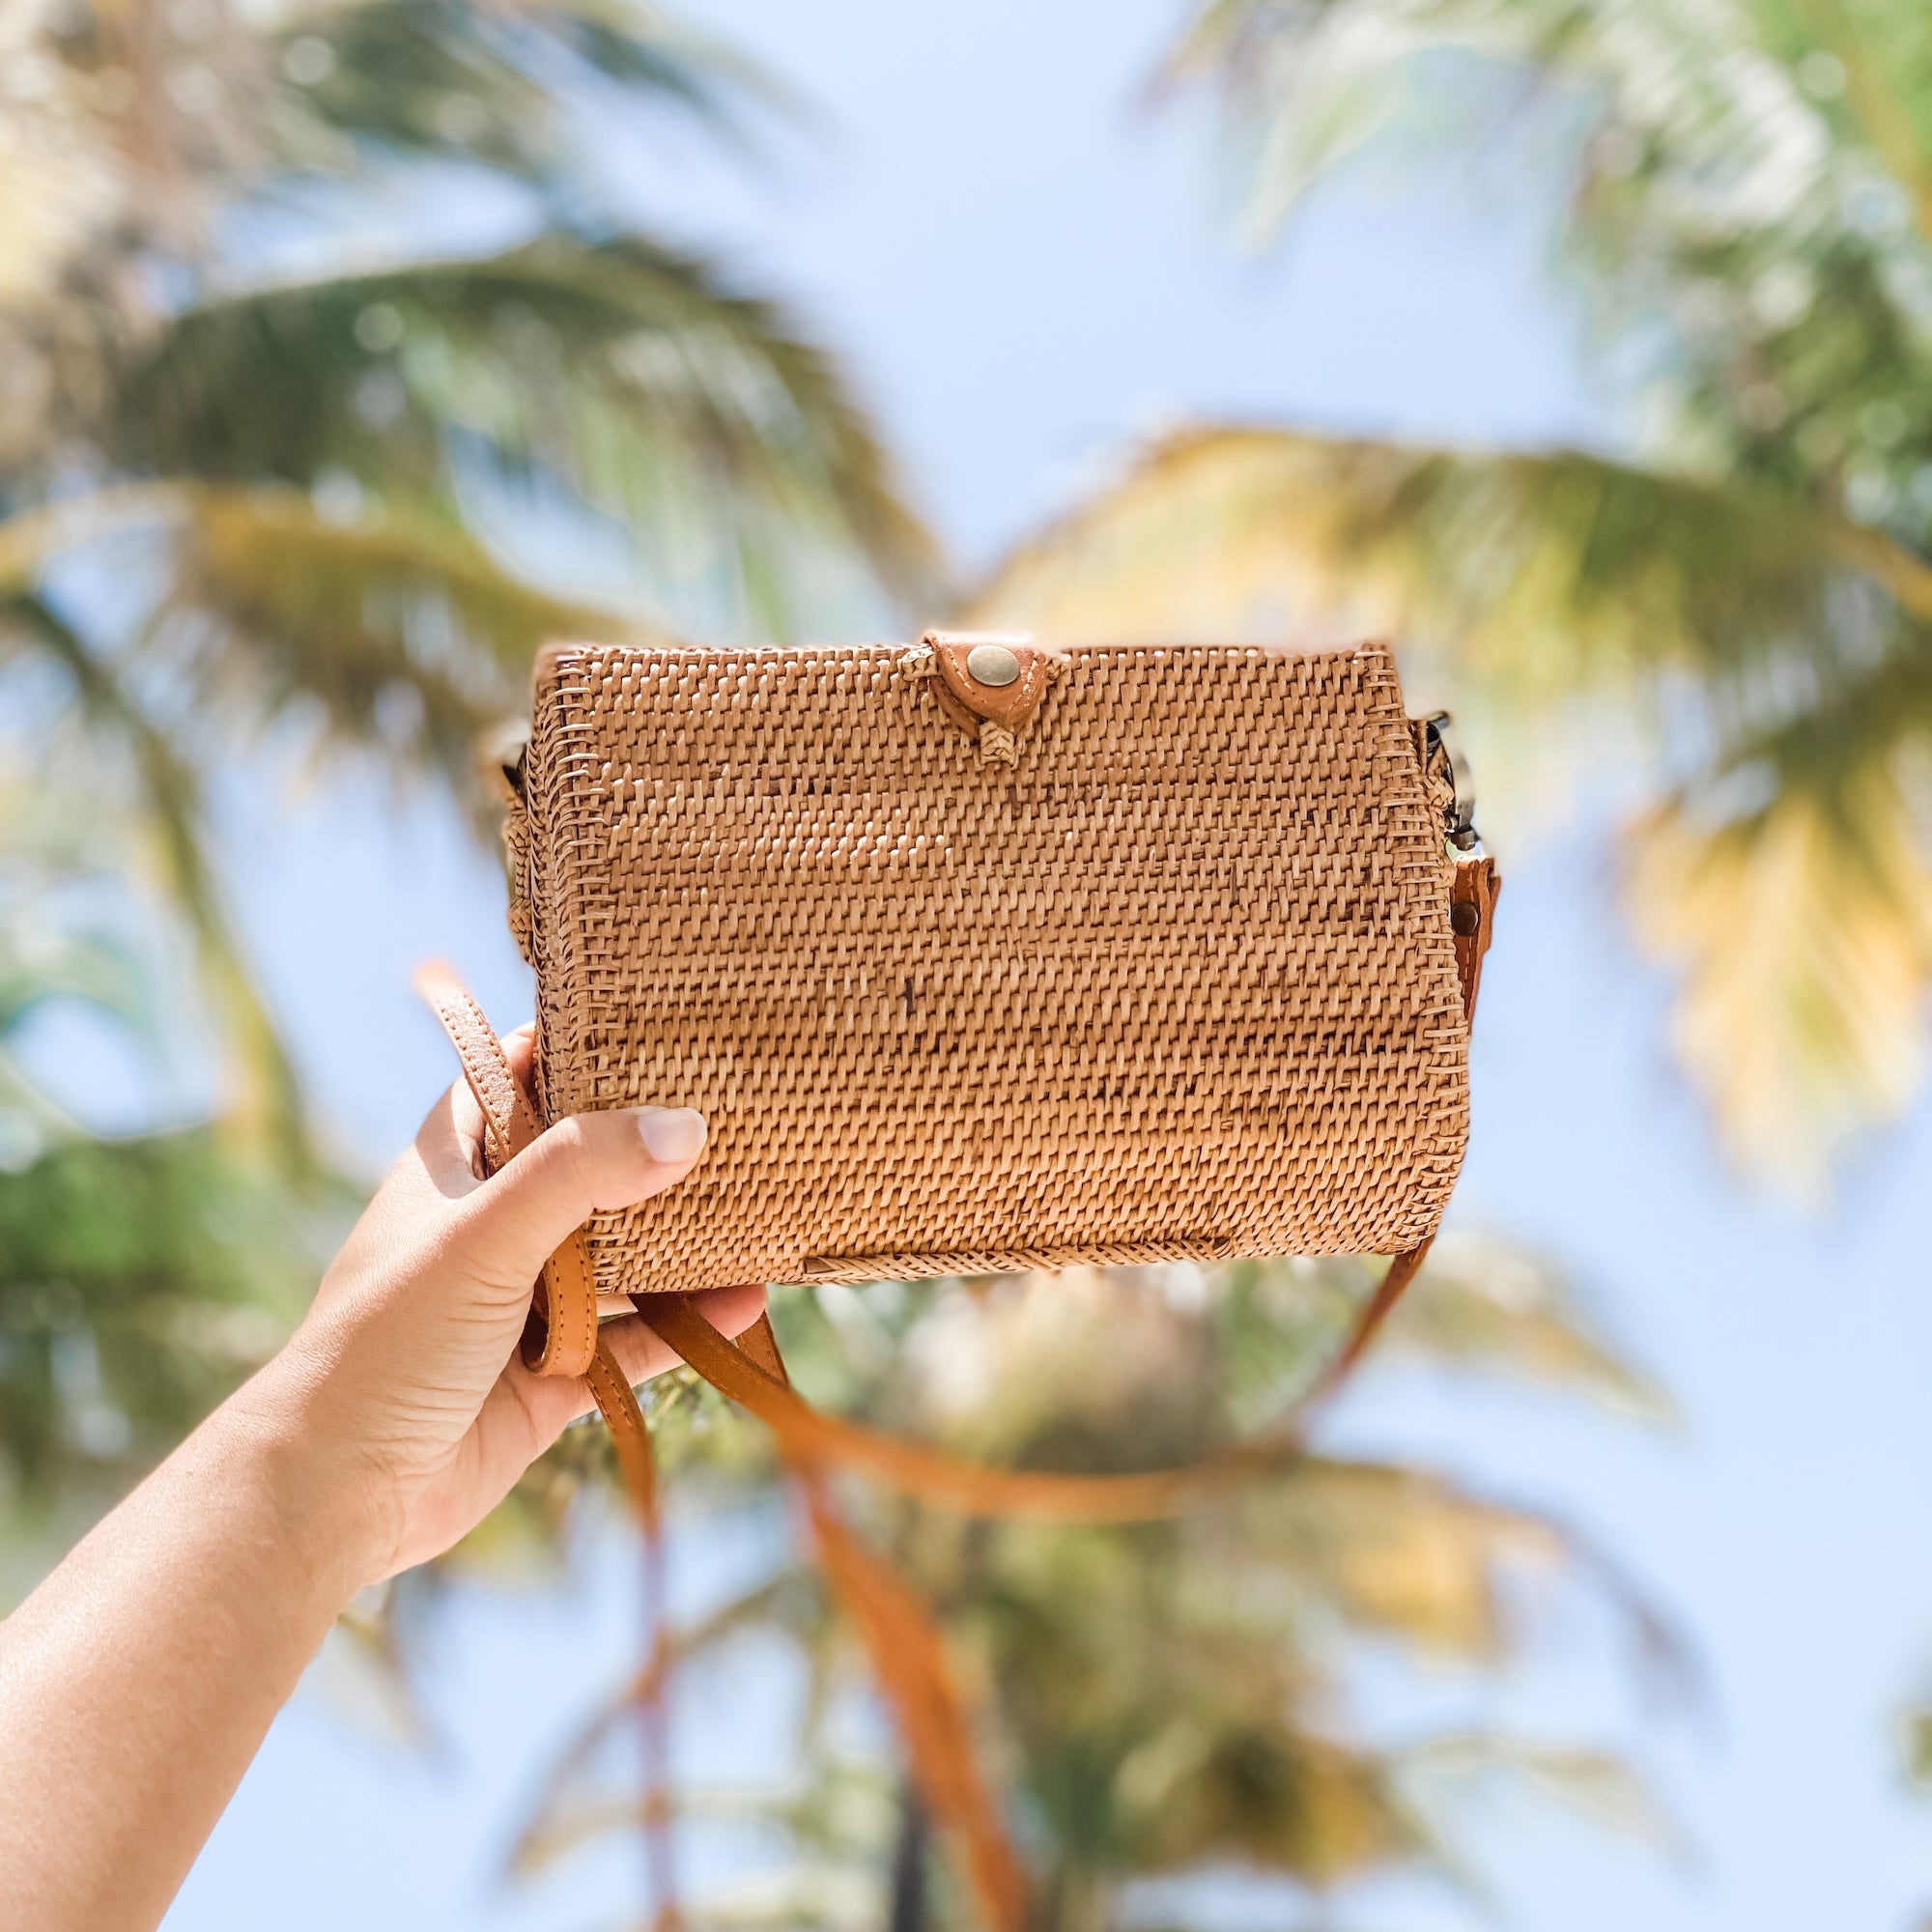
(1028, 267)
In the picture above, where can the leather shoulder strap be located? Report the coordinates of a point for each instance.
(561, 1336)
(509, 1122)
(901, 1638)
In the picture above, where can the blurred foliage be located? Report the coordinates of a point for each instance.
(245, 509)
(1746, 595)
(231, 506)
(1161, 1700)
(140, 1279)
(141, 1282)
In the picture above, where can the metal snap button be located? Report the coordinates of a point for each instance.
(992, 664)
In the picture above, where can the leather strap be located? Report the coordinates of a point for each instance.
(560, 1338)
(811, 1438)
(903, 1643)
(908, 1657)
(617, 1402)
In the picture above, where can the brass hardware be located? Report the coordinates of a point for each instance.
(1462, 826)
(993, 665)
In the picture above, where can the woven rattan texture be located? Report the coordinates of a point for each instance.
(1178, 983)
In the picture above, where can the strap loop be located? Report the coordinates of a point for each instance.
(560, 1338)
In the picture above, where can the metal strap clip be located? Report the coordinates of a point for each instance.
(1446, 760)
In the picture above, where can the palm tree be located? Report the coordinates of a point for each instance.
(1747, 592)
(232, 502)
(1163, 1697)
(140, 1278)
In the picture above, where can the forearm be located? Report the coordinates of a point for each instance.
(137, 1682)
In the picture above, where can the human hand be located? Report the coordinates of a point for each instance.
(404, 1376)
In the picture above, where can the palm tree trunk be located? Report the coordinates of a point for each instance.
(910, 1911)
(1076, 1900)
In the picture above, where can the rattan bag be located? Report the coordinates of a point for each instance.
(978, 957)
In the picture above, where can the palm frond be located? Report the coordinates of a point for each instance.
(1725, 111)
(625, 374)
(788, 1602)
(1750, 194)
(1551, 567)
(1524, 585)
(1605, 1788)
(445, 79)
(1371, 1547)
(1692, 617)
(48, 955)
(1481, 1302)
(1298, 1805)
(167, 817)
(837, 1787)
(140, 1281)
(1913, 1729)
(343, 600)
(399, 633)
(1802, 930)
(1442, 1776)
(1161, 1693)
(36, 537)
(1159, 1706)
(59, 184)
(1788, 879)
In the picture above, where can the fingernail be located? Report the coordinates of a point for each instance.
(671, 1135)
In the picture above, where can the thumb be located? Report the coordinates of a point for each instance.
(584, 1165)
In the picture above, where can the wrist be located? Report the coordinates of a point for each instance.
(319, 1497)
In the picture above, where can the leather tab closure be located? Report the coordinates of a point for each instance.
(1472, 908)
(997, 679)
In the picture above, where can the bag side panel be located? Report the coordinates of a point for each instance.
(558, 788)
